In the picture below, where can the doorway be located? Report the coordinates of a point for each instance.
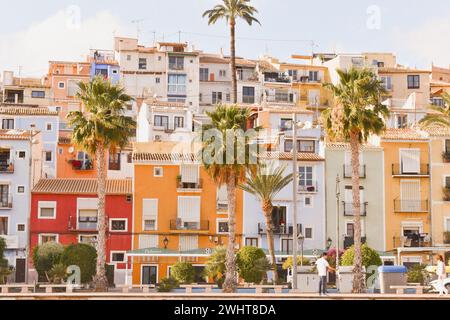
(20, 270)
(149, 274)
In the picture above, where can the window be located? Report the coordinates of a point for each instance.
(3, 226)
(158, 172)
(176, 63)
(437, 101)
(5, 198)
(44, 238)
(21, 227)
(115, 71)
(162, 121)
(8, 124)
(118, 224)
(308, 202)
(293, 74)
(447, 145)
(149, 214)
(228, 97)
(130, 157)
(413, 81)
(38, 94)
(149, 225)
(216, 97)
(285, 124)
(286, 245)
(350, 229)
(22, 154)
(302, 146)
(159, 58)
(48, 126)
(305, 177)
(308, 233)
(279, 219)
(240, 73)
(142, 63)
(251, 242)
(20, 189)
(128, 198)
(72, 88)
(248, 94)
(222, 73)
(48, 156)
(128, 57)
(87, 219)
(387, 83)
(158, 80)
(177, 83)
(117, 256)
(61, 85)
(47, 209)
(402, 121)
(313, 75)
(204, 74)
(410, 161)
(114, 161)
(179, 122)
(447, 182)
(222, 226)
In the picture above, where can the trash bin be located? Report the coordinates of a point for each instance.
(391, 276)
(345, 277)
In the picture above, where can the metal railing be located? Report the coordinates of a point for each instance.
(179, 224)
(308, 188)
(190, 185)
(7, 167)
(286, 229)
(398, 170)
(348, 209)
(410, 205)
(349, 241)
(418, 241)
(348, 171)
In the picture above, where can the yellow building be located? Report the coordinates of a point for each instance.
(179, 212)
(407, 194)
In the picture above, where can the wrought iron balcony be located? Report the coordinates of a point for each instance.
(348, 209)
(349, 241)
(285, 229)
(179, 224)
(399, 170)
(413, 241)
(189, 185)
(413, 206)
(348, 171)
(308, 188)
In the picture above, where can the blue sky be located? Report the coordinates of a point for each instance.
(417, 31)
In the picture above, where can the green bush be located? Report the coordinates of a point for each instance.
(215, 266)
(82, 255)
(168, 284)
(4, 267)
(252, 264)
(369, 257)
(417, 274)
(58, 273)
(45, 257)
(288, 262)
(184, 272)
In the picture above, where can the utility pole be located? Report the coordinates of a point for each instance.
(294, 203)
(338, 195)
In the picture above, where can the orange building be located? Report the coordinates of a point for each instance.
(73, 163)
(180, 214)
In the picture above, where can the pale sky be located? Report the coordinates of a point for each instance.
(417, 31)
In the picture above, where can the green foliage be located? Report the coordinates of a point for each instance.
(184, 272)
(252, 264)
(440, 115)
(4, 267)
(57, 273)
(369, 257)
(288, 263)
(45, 256)
(231, 10)
(417, 274)
(215, 267)
(168, 284)
(82, 255)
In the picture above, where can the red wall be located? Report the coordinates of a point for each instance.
(66, 207)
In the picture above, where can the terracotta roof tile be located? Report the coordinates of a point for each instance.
(404, 134)
(301, 156)
(164, 157)
(438, 131)
(82, 186)
(346, 146)
(11, 134)
(26, 111)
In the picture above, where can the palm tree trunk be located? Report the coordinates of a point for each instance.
(229, 286)
(267, 209)
(359, 278)
(100, 280)
(233, 61)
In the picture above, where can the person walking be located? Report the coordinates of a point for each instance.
(441, 273)
(322, 267)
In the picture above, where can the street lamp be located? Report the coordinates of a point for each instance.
(301, 240)
(329, 242)
(165, 242)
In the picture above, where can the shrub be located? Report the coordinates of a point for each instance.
(45, 257)
(82, 255)
(168, 284)
(57, 273)
(417, 274)
(331, 257)
(369, 257)
(215, 267)
(4, 267)
(252, 264)
(184, 272)
(288, 262)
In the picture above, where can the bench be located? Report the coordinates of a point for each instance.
(49, 287)
(128, 287)
(277, 288)
(24, 288)
(189, 287)
(401, 289)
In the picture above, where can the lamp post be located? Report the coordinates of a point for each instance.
(165, 242)
(301, 240)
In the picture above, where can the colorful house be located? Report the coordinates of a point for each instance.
(65, 211)
(103, 63)
(180, 214)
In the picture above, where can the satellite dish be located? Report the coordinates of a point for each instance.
(71, 149)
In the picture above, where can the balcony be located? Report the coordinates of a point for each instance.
(308, 188)
(182, 186)
(348, 171)
(6, 202)
(81, 165)
(412, 241)
(276, 78)
(179, 224)
(278, 229)
(349, 241)
(399, 171)
(176, 66)
(222, 205)
(348, 209)
(6, 167)
(412, 206)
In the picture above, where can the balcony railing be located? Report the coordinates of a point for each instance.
(7, 167)
(176, 66)
(190, 185)
(81, 165)
(348, 171)
(286, 229)
(418, 241)
(418, 206)
(308, 188)
(222, 205)
(348, 209)
(398, 170)
(179, 224)
(349, 241)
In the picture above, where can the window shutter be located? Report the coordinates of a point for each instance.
(189, 173)
(188, 243)
(147, 241)
(410, 196)
(150, 209)
(189, 209)
(410, 161)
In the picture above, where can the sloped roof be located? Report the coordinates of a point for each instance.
(301, 156)
(82, 186)
(164, 157)
(404, 134)
(12, 134)
(26, 111)
(438, 131)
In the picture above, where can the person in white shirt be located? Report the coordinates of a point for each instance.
(441, 273)
(322, 267)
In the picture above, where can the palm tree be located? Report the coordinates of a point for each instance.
(265, 183)
(440, 115)
(231, 10)
(100, 128)
(358, 113)
(216, 154)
